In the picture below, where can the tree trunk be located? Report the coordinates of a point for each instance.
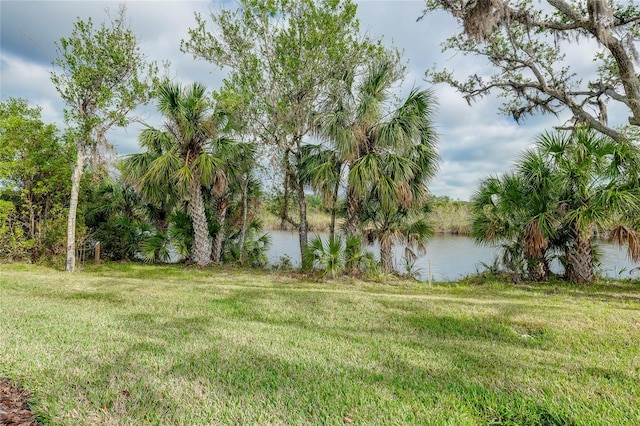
(245, 214)
(201, 250)
(78, 168)
(353, 211)
(284, 208)
(221, 214)
(538, 270)
(32, 216)
(352, 228)
(628, 76)
(334, 210)
(386, 254)
(45, 217)
(580, 265)
(303, 228)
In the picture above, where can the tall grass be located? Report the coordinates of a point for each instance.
(135, 344)
(448, 217)
(451, 217)
(318, 221)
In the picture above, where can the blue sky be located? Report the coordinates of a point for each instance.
(475, 141)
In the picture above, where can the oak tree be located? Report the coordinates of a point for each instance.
(102, 76)
(527, 43)
(35, 168)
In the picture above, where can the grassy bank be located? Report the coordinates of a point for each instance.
(135, 344)
(318, 221)
(447, 218)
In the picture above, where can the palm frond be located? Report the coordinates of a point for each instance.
(210, 169)
(411, 123)
(535, 243)
(183, 176)
(417, 233)
(625, 236)
(373, 91)
(364, 173)
(156, 248)
(162, 169)
(155, 141)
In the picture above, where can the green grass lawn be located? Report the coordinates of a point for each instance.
(134, 345)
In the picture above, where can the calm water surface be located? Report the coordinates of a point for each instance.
(448, 257)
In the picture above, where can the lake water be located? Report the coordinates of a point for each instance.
(449, 257)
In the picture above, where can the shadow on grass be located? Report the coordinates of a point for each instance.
(390, 391)
(113, 298)
(247, 386)
(608, 292)
(232, 382)
(401, 320)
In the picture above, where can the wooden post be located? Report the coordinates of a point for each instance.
(97, 253)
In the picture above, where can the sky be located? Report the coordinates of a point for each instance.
(474, 141)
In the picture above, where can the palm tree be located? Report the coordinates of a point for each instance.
(322, 169)
(118, 218)
(179, 157)
(233, 187)
(569, 189)
(389, 152)
(594, 172)
(161, 199)
(394, 226)
(392, 174)
(520, 209)
(351, 128)
(223, 149)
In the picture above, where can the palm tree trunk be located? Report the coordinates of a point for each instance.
(78, 168)
(353, 211)
(386, 254)
(245, 214)
(538, 270)
(303, 226)
(334, 210)
(303, 229)
(352, 227)
(580, 264)
(201, 250)
(284, 208)
(221, 214)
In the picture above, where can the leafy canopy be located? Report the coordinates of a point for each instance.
(527, 43)
(102, 76)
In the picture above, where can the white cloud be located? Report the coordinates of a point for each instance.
(22, 77)
(475, 140)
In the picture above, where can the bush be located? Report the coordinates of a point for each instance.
(13, 243)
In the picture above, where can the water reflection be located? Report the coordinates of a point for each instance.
(448, 257)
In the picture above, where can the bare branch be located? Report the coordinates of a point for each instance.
(531, 72)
